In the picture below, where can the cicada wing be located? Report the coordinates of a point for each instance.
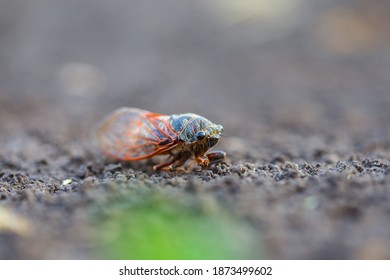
(134, 134)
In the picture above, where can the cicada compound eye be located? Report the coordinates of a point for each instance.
(200, 135)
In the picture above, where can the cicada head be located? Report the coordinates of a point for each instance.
(210, 135)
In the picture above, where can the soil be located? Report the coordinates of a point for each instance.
(305, 124)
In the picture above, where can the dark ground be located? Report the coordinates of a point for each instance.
(302, 90)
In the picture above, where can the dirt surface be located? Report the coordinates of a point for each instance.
(302, 91)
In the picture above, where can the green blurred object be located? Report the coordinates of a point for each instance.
(163, 227)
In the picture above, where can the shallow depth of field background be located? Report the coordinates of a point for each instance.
(288, 78)
(286, 63)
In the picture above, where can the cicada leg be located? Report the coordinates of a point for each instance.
(178, 166)
(203, 161)
(216, 157)
(211, 158)
(173, 165)
(161, 166)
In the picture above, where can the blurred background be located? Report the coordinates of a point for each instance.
(290, 80)
(245, 64)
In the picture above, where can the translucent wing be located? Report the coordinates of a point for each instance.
(135, 134)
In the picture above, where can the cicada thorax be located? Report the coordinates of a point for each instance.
(188, 125)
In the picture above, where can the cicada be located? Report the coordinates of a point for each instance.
(133, 134)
